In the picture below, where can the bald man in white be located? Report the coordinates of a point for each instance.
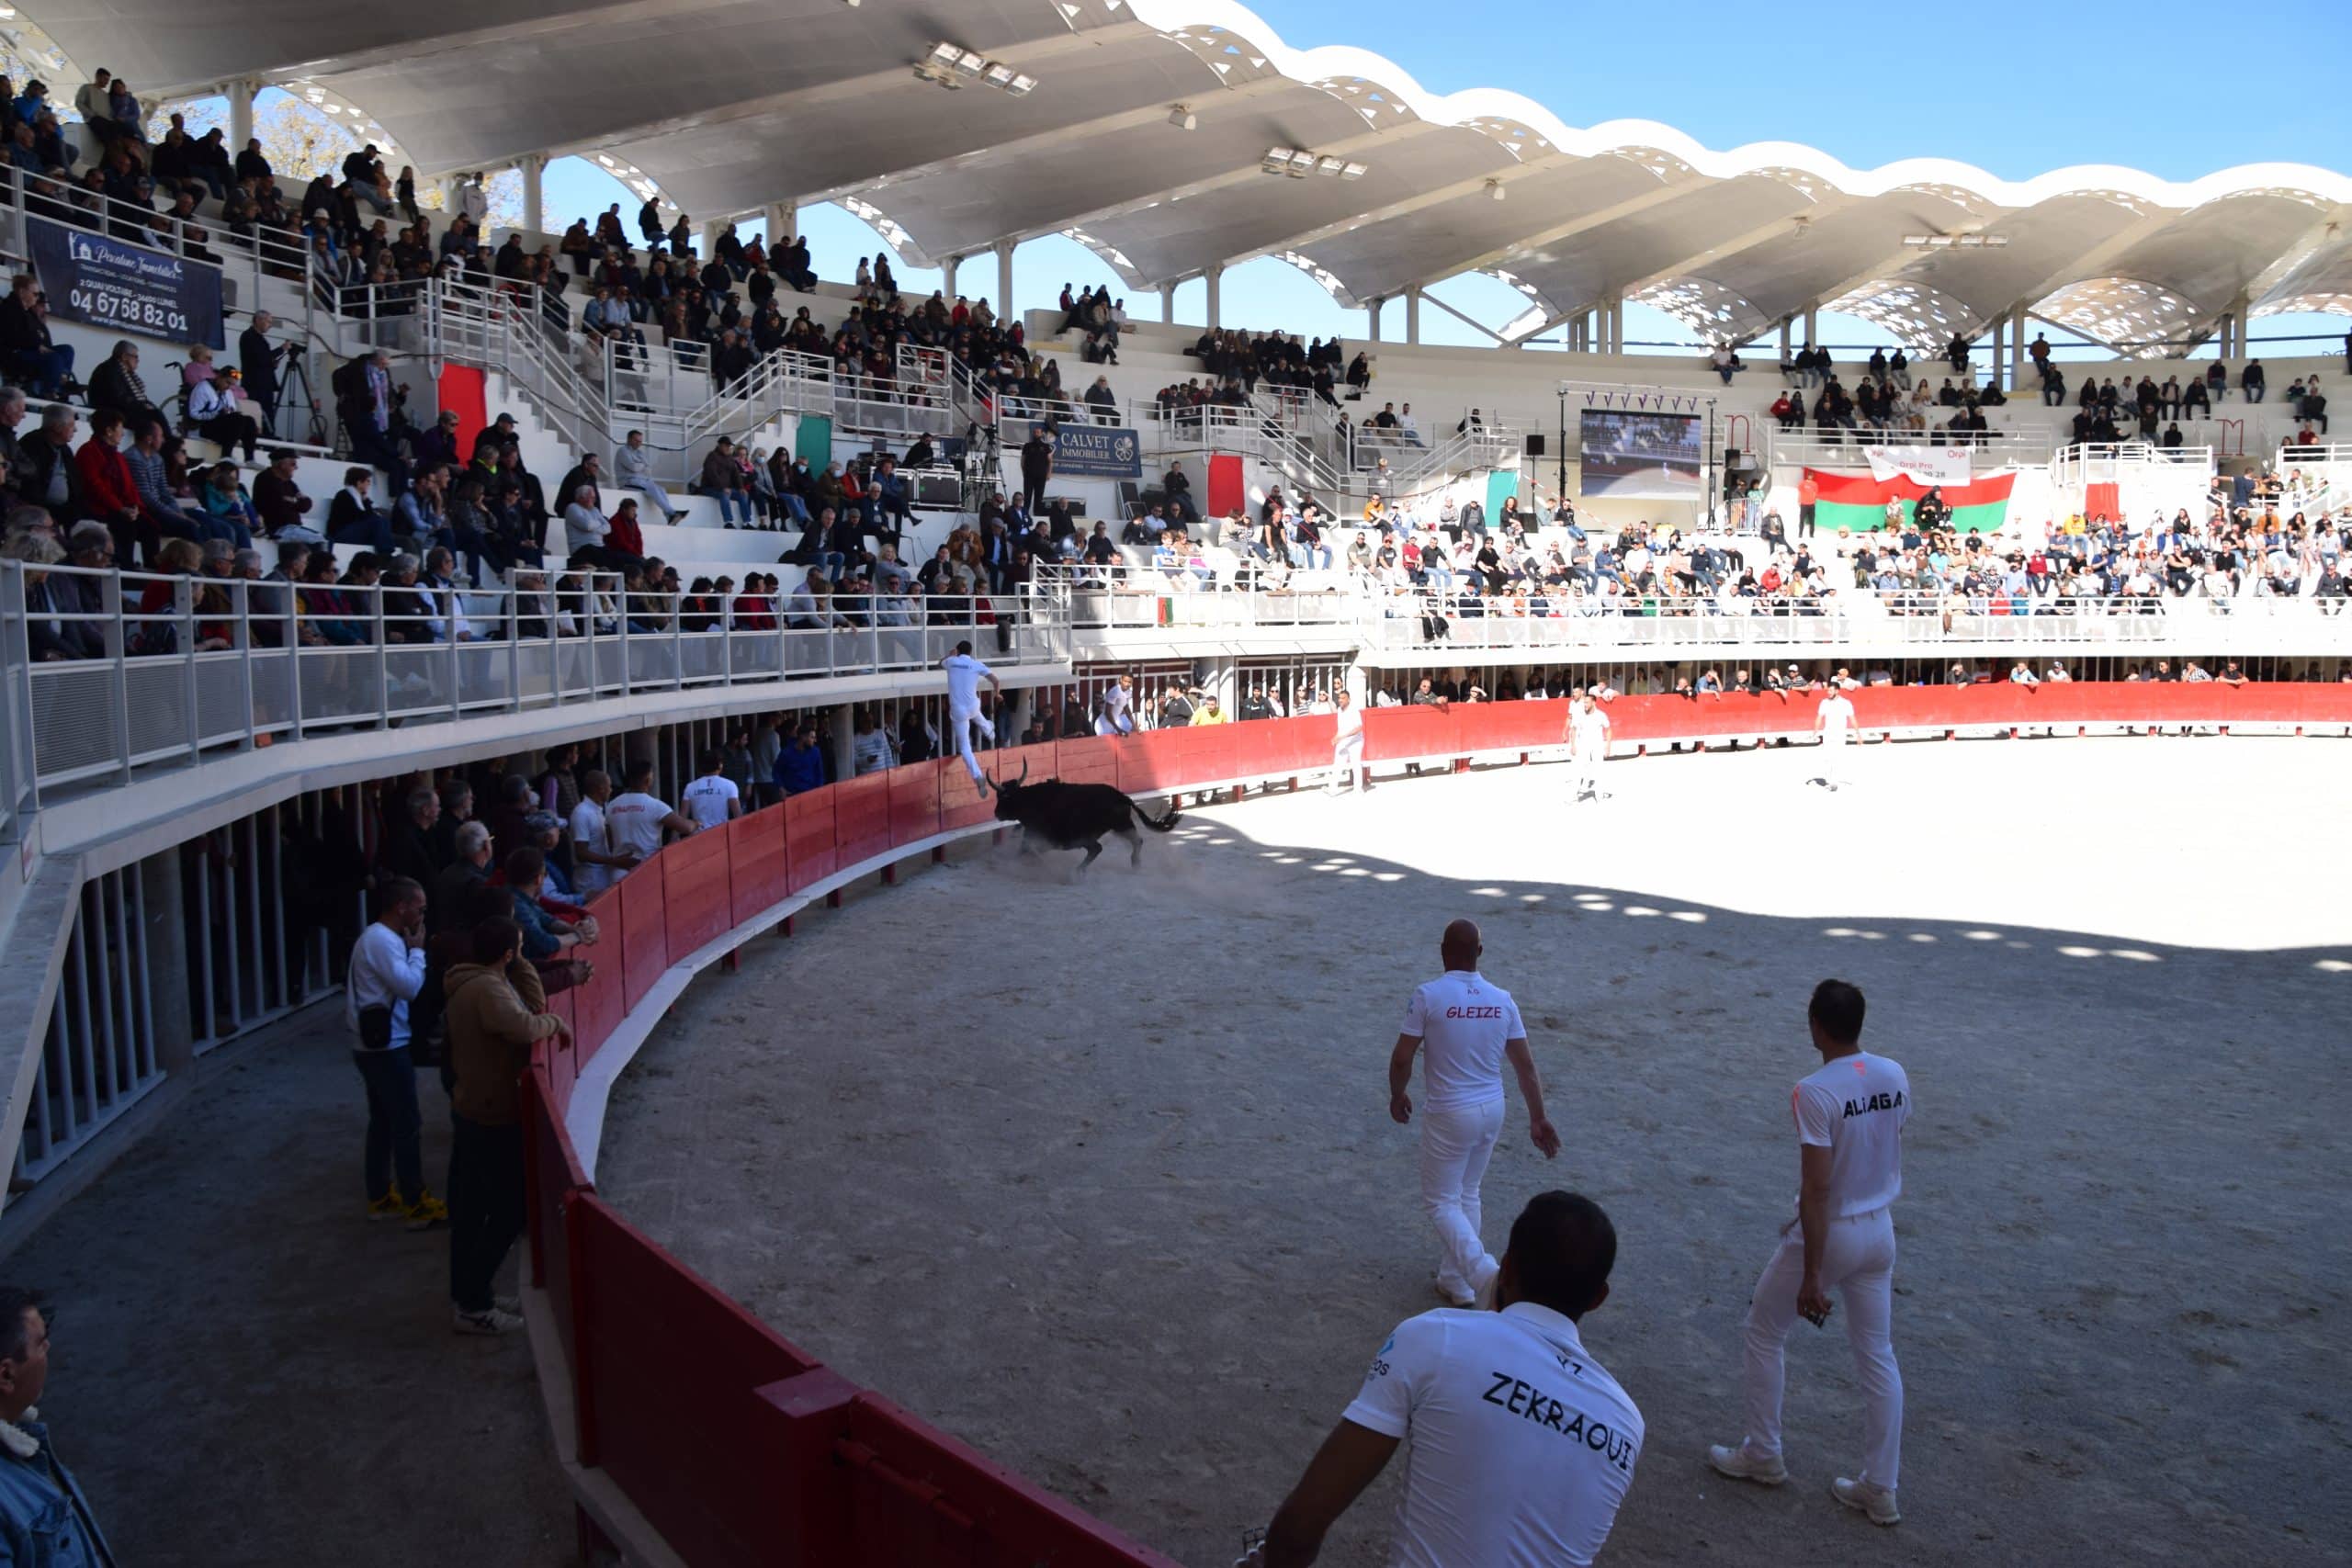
(1470, 1027)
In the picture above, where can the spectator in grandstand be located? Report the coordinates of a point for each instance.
(386, 970)
(1479, 1490)
(633, 469)
(45, 1517)
(801, 766)
(352, 515)
(2252, 382)
(495, 1012)
(31, 356)
(369, 402)
(116, 384)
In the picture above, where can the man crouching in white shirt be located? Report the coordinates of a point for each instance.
(1523, 1445)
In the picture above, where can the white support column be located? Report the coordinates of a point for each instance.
(1812, 325)
(1784, 340)
(711, 229)
(2017, 346)
(1413, 314)
(782, 218)
(535, 209)
(1372, 317)
(1005, 281)
(947, 277)
(1216, 314)
(240, 93)
(1168, 302)
(1994, 349)
(1616, 313)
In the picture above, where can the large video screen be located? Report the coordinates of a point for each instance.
(1642, 457)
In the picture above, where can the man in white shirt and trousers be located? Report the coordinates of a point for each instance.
(963, 676)
(1849, 1118)
(1834, 722)
(1523, 1445)
(1347, 747)
(1470, 1025)
(1587, 733)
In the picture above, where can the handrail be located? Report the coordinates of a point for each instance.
(234, 663)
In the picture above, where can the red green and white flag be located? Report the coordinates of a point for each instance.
(1858, 501)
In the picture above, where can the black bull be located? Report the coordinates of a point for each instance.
(1070, 815)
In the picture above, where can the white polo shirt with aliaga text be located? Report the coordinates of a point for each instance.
(1855, 1107)
(1462, 1022)
(1519, 1447)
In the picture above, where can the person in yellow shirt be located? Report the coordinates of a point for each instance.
(1209, 711)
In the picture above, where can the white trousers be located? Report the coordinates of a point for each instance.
(1588, 774)
(961, 723)
(1455, 1146)
(1347, 764)
(1857, 1266)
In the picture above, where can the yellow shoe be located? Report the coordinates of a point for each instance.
(391, 1206)
(426, 1212)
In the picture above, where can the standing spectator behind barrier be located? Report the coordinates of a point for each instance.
(44, 1516)
(495, 1012)
(386, 971)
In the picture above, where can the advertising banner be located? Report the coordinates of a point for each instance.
(107, 282)
(1097, 451)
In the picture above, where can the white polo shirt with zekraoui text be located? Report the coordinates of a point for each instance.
(1519, 1445)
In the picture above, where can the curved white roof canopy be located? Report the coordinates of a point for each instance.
(732, 104)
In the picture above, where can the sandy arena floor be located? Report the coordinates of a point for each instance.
(1101, 1178)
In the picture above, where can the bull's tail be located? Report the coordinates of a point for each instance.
(1157, 824)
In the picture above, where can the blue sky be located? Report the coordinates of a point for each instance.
(2030, 87)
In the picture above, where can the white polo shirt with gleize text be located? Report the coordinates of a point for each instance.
(707, 798)
(963, 676)
(1855, 1107)
(1519, 1447)
(633, 821)
(1591, 733)
(1351, 729)
(1462, 1022)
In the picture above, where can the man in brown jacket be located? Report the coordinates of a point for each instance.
(494, 1013)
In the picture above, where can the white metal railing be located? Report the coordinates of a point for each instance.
(1182, 590)
(1807, 445)
(2080, 463)
(2248, 625)
(138, 670)
(2314, 454)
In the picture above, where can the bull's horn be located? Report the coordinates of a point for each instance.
(1024, 772)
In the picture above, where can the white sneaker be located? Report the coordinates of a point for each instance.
(1451, 1297)
(1483, 1298)
(1876, 1502)
(1765, 1469)
(491, 1322)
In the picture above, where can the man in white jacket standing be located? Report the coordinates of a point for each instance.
(387, 971)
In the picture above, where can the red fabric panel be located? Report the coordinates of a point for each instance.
(915, 800)
(2104, 499)
(983, 1512)
(809, 838)
(695, 891)
(1228, 489)
(861, 820)
(685, 1433)
(645, 947)
(759, 875)
(460, 393)
(1089, 761)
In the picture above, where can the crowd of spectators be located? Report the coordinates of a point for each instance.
(1886, 402)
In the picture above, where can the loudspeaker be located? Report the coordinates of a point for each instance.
(1535, 444)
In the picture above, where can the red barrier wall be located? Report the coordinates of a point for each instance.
(696, 891)
(808, 837)
(645, 947)
(732, 1441)
(760, 874)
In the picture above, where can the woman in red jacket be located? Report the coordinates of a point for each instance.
(108, 493)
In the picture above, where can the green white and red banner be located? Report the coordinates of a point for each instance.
(1858, 501)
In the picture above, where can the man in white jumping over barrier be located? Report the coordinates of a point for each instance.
(963, 676)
